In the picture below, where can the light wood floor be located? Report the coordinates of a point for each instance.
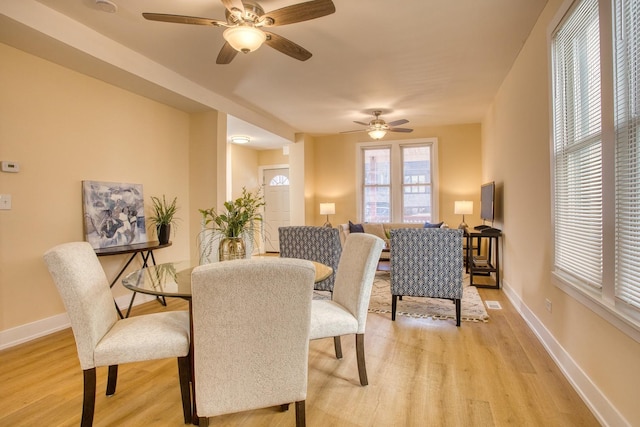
(421, 373)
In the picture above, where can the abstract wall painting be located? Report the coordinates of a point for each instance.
(113, 214)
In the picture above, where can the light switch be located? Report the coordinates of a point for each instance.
(5, 202)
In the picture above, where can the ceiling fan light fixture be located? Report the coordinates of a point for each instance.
(244, 38)
(377, 133)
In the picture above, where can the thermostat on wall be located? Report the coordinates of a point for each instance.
(10, 166)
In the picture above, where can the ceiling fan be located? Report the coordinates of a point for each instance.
(378, 128)
(244, 23)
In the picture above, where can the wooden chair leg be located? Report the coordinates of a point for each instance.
(89, 397)
(337, 344)
(112, 380)
(184, 374)
(458, 311)
(300, 414)
(394, 303)
(362, 367)
(203, 422)
(284, 407)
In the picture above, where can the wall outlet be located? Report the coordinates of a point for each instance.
(5, 202)
(547, 304)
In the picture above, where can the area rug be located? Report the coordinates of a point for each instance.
(440, 309)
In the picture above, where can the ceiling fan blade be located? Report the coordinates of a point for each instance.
(234, 4)
(360, 123)
(226, 54)
(398, 122)
(180, 19)
(404, 130)
(353, 131)
(298, 13)
(287, 47)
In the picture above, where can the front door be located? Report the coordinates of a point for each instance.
(276, 205)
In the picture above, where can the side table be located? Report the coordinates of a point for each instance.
(145, 250)
(484, 266)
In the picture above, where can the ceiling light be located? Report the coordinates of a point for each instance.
(244, 38)
(106, 6)
(377, 133)
(240, 139)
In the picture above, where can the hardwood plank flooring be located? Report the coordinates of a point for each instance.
(422, 372)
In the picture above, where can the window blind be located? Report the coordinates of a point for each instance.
(578, 146)
(627, 122)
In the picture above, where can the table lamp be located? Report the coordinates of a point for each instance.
(327, 209)
(463, 207)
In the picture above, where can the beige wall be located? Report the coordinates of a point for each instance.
(459, 165)
(272, 157)
(62, 128)
(516, 153)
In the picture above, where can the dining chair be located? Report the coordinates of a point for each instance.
(320, 244)
(102, 338)
(251, 335)
(426, 263)
(346, 312)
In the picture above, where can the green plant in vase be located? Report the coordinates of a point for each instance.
(163, 217)
(234, 223)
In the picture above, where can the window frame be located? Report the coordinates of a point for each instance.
(601, 301)
(396, 179)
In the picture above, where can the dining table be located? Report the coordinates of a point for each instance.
(173, 280)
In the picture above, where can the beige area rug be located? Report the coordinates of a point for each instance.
(473, 309)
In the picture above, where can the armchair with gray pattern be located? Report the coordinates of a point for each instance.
(426, 263)
(319, 244)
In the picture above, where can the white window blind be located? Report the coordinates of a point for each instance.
(627, 122)
(578, 146)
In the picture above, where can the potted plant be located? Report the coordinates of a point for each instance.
(234, 223)
(163, 217)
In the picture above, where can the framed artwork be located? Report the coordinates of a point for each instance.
(113, 214)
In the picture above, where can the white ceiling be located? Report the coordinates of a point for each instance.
(432, 62)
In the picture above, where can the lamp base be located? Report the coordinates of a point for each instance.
(463, 226)
(327, 224)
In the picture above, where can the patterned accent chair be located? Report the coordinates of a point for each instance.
(426, 263)
(320, 244)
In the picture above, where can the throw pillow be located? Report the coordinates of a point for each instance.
(355, 228)
(429, 225)
(376, 229)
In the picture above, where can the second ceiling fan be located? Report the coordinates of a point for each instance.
(244, 23)
(378, 128)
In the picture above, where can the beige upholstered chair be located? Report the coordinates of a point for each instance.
(346, 312)
(251, 335)
(104, 340)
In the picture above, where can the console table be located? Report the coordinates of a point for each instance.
(484, 266)
(145, 250)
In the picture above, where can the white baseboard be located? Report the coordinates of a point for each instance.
(39, 328)
(592, 396)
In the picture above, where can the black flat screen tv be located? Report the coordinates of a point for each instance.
(487, 201)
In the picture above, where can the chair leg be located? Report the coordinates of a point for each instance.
(89, 397)
(300, 414)
(362, 367)
(112, 380)
(458, 311)
(394, 303)
(184, 373)
(203, 422)
(284, 407)
(337, 344)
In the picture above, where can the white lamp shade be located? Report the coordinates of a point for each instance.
(327, 208)
(463, 207)
(377, 133)
(244, 38)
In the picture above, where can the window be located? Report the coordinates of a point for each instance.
(279, 180)
(397, 181)
(596, 171)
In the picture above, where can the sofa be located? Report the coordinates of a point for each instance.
(381, 230)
